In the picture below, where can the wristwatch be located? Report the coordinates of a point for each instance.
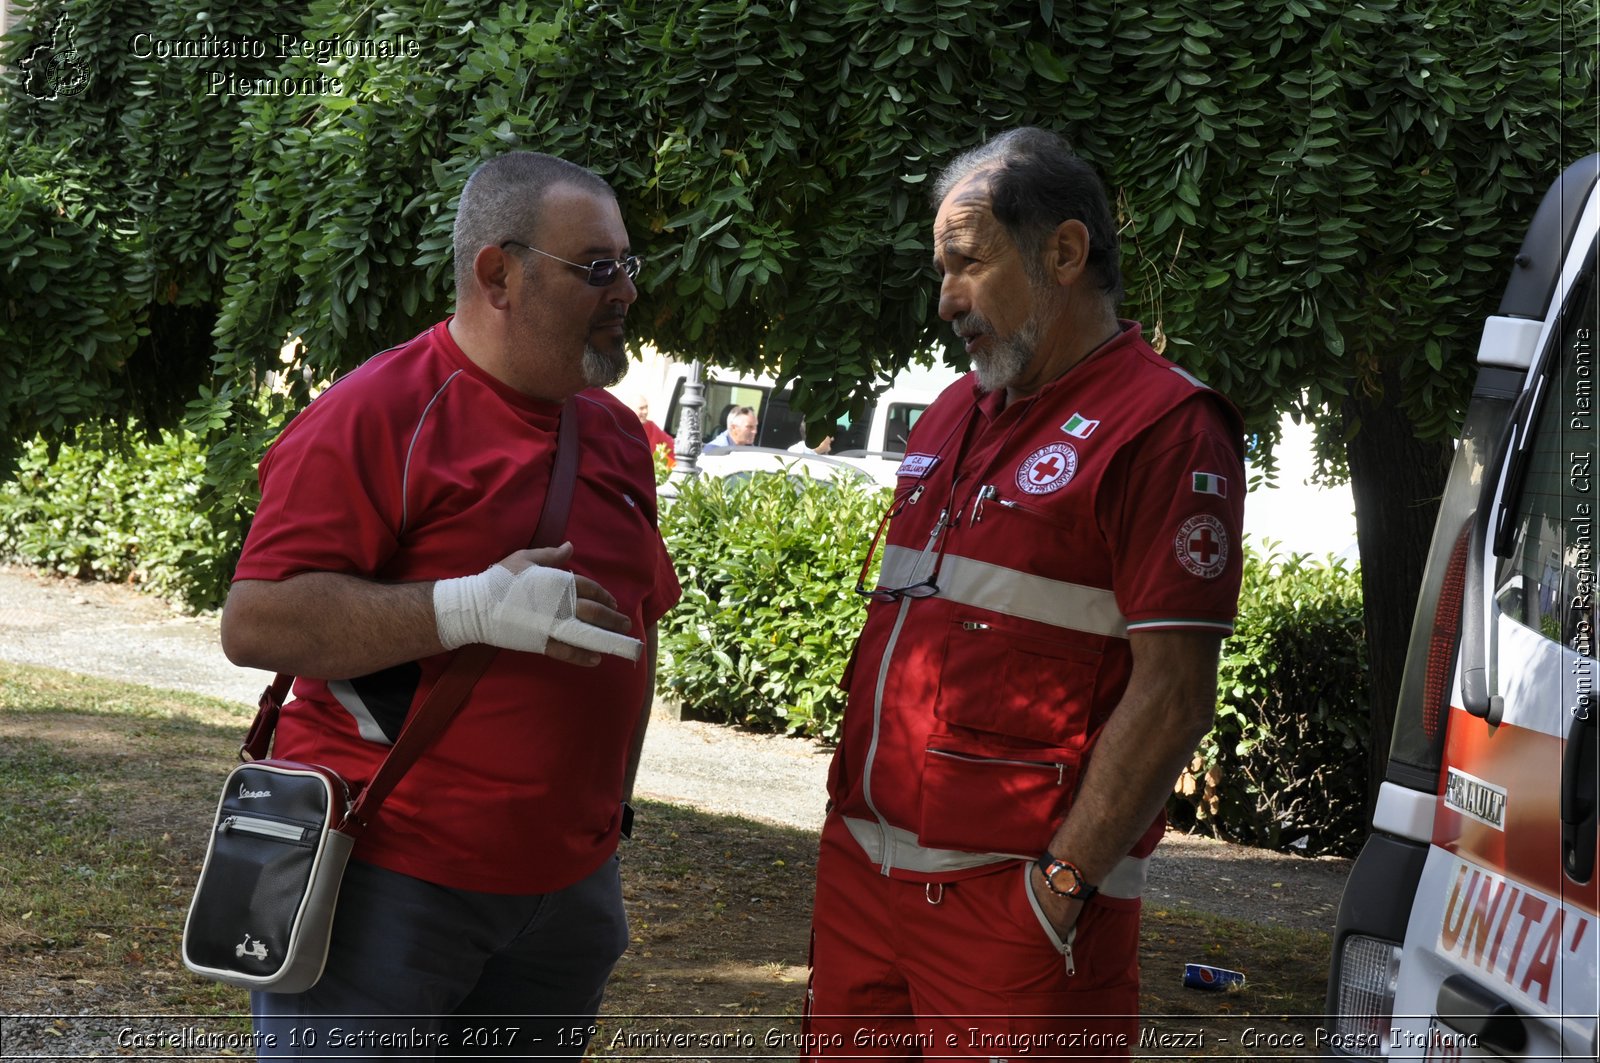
(1073, 886)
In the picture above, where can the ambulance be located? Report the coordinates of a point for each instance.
(1468, 928)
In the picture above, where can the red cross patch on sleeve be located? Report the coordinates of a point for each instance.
(1201, 546)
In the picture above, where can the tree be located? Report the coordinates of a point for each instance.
(1318, 197)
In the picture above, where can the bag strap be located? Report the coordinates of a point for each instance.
(458, 678)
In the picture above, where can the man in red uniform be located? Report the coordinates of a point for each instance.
(396, 511)
(654, 434)
(1061, 564)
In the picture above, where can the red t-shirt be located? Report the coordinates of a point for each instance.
(656, 437)
(420, 466)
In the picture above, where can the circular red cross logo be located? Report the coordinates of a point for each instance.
(1201, 546)
(1047, 469)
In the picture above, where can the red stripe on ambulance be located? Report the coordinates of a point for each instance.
(1520, 764)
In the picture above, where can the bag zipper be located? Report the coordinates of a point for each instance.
(266, 828)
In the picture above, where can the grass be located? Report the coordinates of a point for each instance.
(107, 792)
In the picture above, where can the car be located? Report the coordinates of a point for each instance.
(1468, 928)
(740, 464)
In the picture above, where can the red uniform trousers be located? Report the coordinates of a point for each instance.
(963, 969)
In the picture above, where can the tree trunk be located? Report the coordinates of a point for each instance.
(1396, 480)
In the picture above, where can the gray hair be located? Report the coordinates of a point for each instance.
(503, 200)
(738, 411)
(1036, 182)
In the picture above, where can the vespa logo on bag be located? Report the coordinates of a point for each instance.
(257, 949)
(245, 793)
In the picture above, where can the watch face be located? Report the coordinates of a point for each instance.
(1063, 878)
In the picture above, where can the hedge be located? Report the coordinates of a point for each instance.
(1286, 764)
(769, 611)
(120, 510)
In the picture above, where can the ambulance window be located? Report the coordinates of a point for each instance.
(1548, 581)
(902, 418)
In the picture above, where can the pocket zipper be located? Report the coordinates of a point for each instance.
(1060, 769)
(266, 828)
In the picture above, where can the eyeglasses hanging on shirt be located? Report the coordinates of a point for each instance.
(899, 569)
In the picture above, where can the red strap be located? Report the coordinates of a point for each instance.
(457, 680)
(259, 739)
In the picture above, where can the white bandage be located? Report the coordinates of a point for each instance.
(523, 611)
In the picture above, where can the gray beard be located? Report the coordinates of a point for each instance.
(602, 369)
(1006, 362)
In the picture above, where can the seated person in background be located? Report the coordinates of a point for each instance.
(741, 429)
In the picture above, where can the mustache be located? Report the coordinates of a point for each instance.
(970, 324)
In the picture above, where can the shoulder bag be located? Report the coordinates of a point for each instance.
(262, 913)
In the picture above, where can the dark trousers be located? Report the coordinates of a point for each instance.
(419, 970)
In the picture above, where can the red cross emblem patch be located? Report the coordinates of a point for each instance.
(1047, 469)
(1201, 546)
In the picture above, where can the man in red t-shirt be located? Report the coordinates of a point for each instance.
(1061, 564)
(395, 516)
(654, 434)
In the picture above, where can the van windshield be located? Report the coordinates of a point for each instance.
(1545, 580)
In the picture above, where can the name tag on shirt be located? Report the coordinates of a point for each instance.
(917, 465)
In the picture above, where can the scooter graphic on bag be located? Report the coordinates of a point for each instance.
(245, 948)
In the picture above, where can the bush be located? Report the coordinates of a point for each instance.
(1287, 758)
(122, 512)
(769, 613)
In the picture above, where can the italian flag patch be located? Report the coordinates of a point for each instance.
(1080, 427)
(1209, 483)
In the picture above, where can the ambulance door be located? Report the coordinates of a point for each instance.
(1502, 944)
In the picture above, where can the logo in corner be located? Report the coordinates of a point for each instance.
(1050, 468)
(248, 947)
(54, 70)
(1201, 546)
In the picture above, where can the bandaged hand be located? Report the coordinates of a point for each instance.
(534, 609)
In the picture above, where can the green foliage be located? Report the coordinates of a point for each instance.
(114, 204)
(769, 614)
(660, 461)
(134, 512)
(1307, 188)
(1311, 192)
(1287, 756)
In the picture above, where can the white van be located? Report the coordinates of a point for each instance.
(873, 443)
(1468, 928)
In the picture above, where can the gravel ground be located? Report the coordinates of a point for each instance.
(114, 632)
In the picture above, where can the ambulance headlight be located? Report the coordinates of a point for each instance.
(1369, 970)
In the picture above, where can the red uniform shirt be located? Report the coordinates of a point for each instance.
(420, 466)
(1111, 501)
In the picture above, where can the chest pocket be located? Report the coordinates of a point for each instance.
(1007, 687)
(1003, 759)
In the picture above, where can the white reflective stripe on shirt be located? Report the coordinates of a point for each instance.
(1126, 880)
(1010, 591)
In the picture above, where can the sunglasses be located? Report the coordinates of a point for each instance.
(602, 271)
